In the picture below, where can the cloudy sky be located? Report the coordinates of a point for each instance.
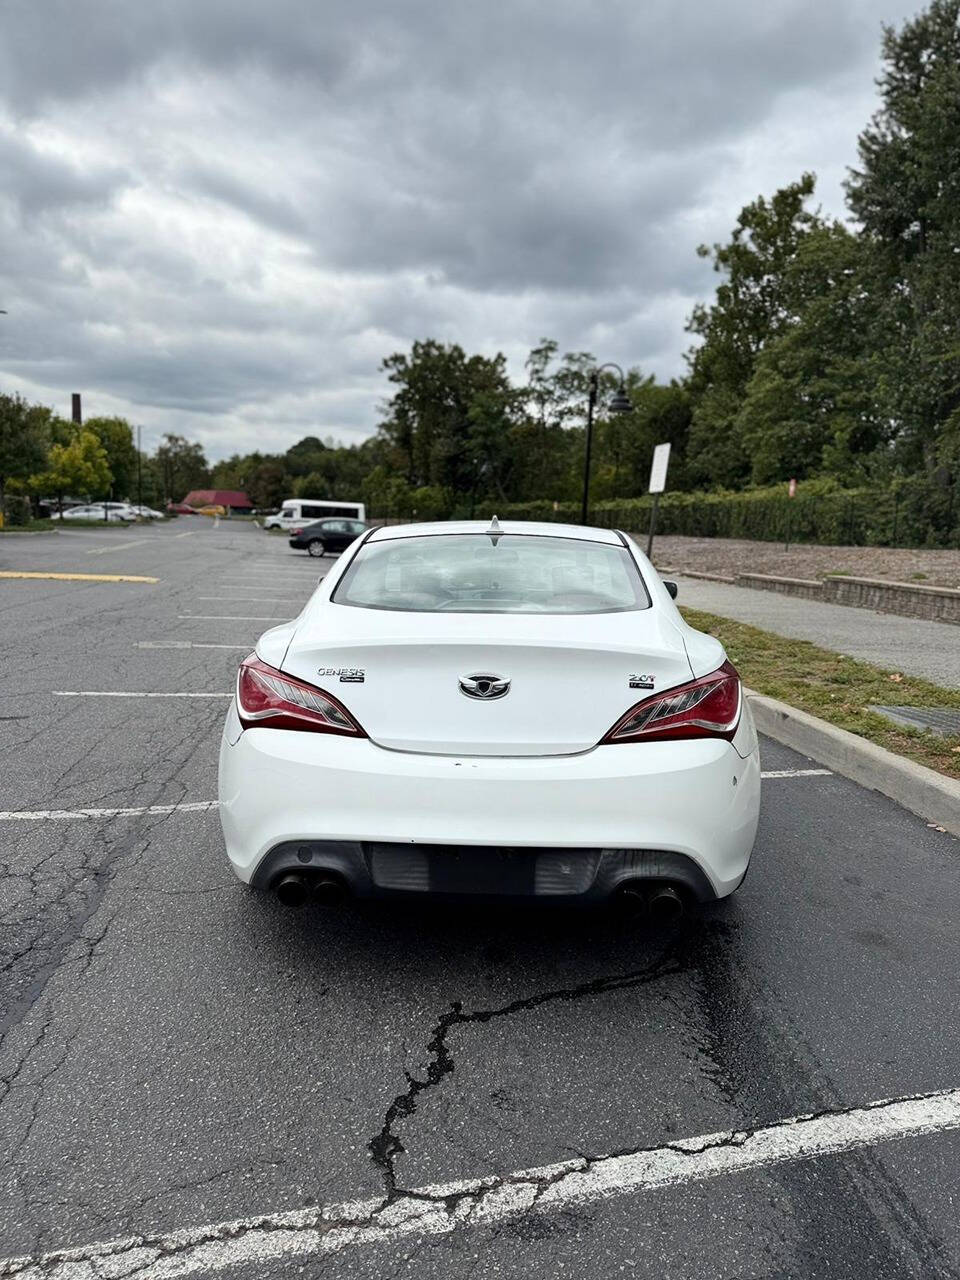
(217, 216)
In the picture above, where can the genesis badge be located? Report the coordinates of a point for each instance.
(483, 685)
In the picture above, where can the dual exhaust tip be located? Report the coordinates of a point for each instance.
(660, 903)
(296, 889)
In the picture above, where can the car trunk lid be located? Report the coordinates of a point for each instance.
(403, 675)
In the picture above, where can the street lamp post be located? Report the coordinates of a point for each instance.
(619, 403)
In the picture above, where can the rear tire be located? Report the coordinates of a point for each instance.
(315, 548)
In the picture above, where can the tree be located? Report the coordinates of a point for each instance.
(24, 439)
(906, 195)
(79, 467)
(387, 494)
(304, 456)
(753, 304)
(428, 427)
(811, 405)
(268, 483)
(182, 466)
(231, 473)
(626, 441)
(116, 436)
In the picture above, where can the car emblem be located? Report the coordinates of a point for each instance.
(638, 680)
(483, 685)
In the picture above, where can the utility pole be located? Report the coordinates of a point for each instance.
(591, 403)
(139, 476)
(619, 403)
(75, 414)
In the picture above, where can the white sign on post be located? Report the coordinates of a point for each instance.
(658, 471)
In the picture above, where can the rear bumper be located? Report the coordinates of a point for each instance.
(640, 808)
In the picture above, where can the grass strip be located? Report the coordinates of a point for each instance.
(837, 688)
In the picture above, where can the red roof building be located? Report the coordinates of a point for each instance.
(235, 499)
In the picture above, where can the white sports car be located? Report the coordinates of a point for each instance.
(512, 710)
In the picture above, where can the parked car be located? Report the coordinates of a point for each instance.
(211, 509)
(181, 509)
(113, 512)
(515, 711)
(146, 513)
(326, 535)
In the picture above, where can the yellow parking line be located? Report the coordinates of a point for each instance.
(80, 577)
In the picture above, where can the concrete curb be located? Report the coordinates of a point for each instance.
(696, 573)
(923, 791)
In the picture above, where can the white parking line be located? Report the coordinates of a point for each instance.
(797, 773)
(120, 546)
(189, 644)
(122, 693)
(261, 599)
(230, 617)
(197, 806)
(57, 815)
(445, 1208)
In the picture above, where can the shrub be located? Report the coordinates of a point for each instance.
(914, 512)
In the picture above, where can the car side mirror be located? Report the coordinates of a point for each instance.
(671, 588)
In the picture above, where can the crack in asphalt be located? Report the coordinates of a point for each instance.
(55, 923)
(386, 1146)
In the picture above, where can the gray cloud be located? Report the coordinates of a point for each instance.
(221, 216)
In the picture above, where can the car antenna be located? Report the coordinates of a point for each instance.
(494, 533)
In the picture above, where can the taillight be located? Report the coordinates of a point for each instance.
(295, 533)
(704, 708)
(268, 699)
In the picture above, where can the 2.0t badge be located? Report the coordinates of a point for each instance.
(483, 685)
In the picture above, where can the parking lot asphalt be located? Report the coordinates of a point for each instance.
(183, 1059)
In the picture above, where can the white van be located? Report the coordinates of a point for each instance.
(299, 511)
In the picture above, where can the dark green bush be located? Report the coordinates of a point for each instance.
(915, 512)
(16, 509)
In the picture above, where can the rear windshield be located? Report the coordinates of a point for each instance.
(474, 573)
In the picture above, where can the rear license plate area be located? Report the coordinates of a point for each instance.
(465, 869)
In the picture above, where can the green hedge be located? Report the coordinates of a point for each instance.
(912, 513)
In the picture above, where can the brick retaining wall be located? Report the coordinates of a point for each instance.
(941, 604)
(809, 588)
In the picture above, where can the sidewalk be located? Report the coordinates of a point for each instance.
(915, 647)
